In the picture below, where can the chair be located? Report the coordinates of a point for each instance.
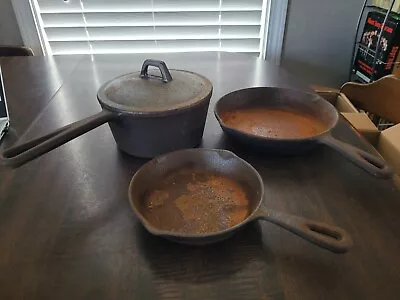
(381, 97)
(15, 51)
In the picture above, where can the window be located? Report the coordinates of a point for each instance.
(142, 26)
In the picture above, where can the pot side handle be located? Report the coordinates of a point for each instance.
(370, 163)
(326, 236)
(23, 153)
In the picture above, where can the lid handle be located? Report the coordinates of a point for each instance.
(165, 74)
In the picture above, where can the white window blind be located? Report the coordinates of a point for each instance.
(143, 26)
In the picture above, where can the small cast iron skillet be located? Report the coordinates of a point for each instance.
(225, 163)
(304, 103)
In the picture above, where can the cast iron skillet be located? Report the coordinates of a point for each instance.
(302, 102)
(225, 163)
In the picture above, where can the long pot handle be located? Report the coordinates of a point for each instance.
(326, 236)
(23, 153)
(370, 163)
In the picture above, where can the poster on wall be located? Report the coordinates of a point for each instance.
(387, 46)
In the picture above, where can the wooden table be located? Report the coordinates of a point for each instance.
(67, 231)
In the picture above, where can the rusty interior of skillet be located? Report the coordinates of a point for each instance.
(271, 122)
(275, 113)
(201, 194)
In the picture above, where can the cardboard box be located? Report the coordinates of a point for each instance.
(386, 142)
(396, 67)
(339, 100)
(396, 180)
(364, 125)
(389, 146)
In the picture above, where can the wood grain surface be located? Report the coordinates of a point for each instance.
(67, 231)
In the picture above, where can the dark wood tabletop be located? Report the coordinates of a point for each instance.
(67, 230)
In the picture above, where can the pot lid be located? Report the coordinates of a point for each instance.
(145, 93)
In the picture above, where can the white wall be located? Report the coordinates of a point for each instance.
(9, 31)
(319, 39)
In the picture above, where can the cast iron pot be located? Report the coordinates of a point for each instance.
(226, 164)
(303, 103)
(148, 115)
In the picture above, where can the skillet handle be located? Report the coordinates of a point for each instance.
(23, 153)
(370, 163)
(326, 236)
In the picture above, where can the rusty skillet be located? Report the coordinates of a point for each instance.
(304, 103)
(226, 164)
